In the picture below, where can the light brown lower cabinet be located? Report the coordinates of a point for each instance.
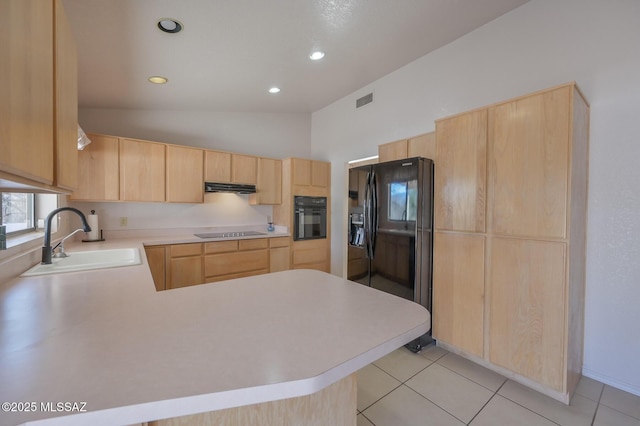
(311, 254)
(279, 254)
(156, 261)
(244, 258)
(527, 305)
(182, 265)
(458, 290)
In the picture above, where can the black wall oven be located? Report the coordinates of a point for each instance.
(310, 218)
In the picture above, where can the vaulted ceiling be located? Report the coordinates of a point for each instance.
(230, 52)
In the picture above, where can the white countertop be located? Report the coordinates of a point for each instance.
(108, 339)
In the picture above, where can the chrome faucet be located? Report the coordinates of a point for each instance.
(62, 253)
(46, 248)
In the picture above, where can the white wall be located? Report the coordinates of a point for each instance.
(268, 135)
(539, 45)
(217, 210)
(261, 134)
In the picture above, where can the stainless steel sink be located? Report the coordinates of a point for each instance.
(87, 260)
(230, 234)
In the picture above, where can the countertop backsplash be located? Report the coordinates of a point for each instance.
(219, 210)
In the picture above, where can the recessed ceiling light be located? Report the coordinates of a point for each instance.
(169, 25)
(317, 55)
(274, 90)
(156, 79)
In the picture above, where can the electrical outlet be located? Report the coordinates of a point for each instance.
(124, 221)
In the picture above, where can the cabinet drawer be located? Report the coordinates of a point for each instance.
(221, 246)
(181, 250)
(279, 242)
(233, 263)
(256, 244)
(303, 256)
(238, 275)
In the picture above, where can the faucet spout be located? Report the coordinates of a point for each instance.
(46, 248)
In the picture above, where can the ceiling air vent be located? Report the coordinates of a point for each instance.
(366, 99)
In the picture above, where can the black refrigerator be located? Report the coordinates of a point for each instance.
(390, 240)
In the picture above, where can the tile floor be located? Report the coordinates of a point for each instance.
(440, 388)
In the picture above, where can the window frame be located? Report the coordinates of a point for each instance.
(33, 210)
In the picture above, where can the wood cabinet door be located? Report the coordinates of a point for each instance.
(66, 86)
(460, 179)
(422, 146)
(184, 272)
(244, 169)
(98, 176)
(310, 252)
(142, 170)
(27, 88)
(269, 182)
(217, 166)
(528, 165)
(458, 290)
(301, 172)
(320, 174)
(279, 254)
(184, 174)
(392, 151)
(235, 263)
(156, 260)
(279, 259)
(527, 308)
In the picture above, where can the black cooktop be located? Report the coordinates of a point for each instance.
(230, 234)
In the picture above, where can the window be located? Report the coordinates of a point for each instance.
(403, 201)
(18, 212)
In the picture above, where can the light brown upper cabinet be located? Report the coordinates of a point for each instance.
(460, 178)
(244, 169)
(217, 166)
(38, 127)
(184, 174)
(226, 167)
(142, 170)
(422, 146)
(529, 165)
(269, 186)
(418, 146)
(27, 87)
(311, 173)
(98, 176)
(66, 117)
(393, 151)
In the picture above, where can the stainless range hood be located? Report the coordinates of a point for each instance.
(237, 188)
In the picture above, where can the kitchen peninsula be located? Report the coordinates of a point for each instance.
(107, 338)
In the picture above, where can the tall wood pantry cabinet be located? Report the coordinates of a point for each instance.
(510, 220)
